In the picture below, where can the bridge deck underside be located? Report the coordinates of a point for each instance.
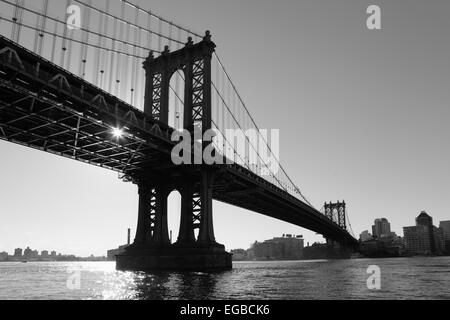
(241, 187)
(47, 108)
(59, 130)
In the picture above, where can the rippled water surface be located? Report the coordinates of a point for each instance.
(401, 278)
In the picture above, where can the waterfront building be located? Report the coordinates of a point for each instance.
(365, 236)
(239, 254)
(423, 219)
(381, 228)
(424, 238)
(417, 239)
(18, 253)
(27, 253)
(445, 227)
(287, 247)
(3, 256)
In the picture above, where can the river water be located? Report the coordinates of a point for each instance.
(400, 278)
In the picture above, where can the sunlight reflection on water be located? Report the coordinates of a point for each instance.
(401, 278)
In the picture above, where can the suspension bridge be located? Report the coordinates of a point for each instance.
(112, 92)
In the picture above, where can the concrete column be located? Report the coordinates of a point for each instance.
(206, 235)
(186, 233)
(161, 233)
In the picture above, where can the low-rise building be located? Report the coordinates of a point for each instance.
(27, 253)
(287, 247)
(18, 253)
(365, 236)
(3, 256)
(239, 254)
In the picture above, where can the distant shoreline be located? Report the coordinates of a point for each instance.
(356, 258)
(28, 261)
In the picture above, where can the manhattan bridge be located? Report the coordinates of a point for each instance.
(111, 92)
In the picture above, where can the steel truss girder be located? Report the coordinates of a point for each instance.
(72, 148)
(141, 122)
(69, 129)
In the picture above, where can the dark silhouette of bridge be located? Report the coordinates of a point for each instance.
(47, 106)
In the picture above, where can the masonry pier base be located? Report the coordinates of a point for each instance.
(175, 258)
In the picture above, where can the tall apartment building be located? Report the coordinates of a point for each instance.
(445, 227)
(424, 237)
(381, 228)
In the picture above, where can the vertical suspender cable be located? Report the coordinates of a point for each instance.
(84, 48)
(170, 35)
(135, 62)
(159, 36)
(97, 77)
(113, 73)
(19, 26)
(64, 44)
(149, 35)
(69, 45)
(42, 27)
(53, 58)
(15, 20)
(103, 53)
(149, 48)
(36, 33)
(223, 110)
(180, 104)
(119, 58)
(127, 76)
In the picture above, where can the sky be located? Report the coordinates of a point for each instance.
(363, 116)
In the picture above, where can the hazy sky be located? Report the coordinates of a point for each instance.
(363, 116)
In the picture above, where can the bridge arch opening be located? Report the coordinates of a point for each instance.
(173, 214)
(176, 100)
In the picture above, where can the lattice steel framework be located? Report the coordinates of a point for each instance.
(194, 61)
(198, 82)
(156, 95)
(336, 213)
(47, 108)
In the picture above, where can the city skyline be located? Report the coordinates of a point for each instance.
(306, 241)
(20, 251)
(389, 96)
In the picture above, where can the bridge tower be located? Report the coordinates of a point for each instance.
(337, 213)
(152, 248)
